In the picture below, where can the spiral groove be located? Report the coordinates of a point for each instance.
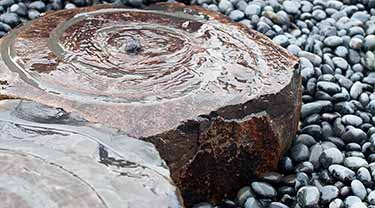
(127, 56)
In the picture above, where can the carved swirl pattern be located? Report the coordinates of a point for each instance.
(127, 56)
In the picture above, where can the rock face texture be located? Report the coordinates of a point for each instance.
(52, 158)
(220, 102)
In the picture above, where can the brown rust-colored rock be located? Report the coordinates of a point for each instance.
(219, 101)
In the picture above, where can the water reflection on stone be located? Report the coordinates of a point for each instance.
(49, 162)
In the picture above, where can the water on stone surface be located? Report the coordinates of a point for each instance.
(54, 159)
(86, 58)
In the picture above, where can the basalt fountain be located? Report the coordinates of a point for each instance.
(170, 105)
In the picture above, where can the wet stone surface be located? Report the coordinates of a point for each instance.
(68, 162)
(199, 87)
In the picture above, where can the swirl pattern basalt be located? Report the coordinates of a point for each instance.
(129, 68)
(129, 56)
(208, 93)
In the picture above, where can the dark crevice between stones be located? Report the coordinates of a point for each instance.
(7, 97)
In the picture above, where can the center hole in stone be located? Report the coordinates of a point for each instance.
(133, 45)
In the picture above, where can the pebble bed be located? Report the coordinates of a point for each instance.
(332, 160)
